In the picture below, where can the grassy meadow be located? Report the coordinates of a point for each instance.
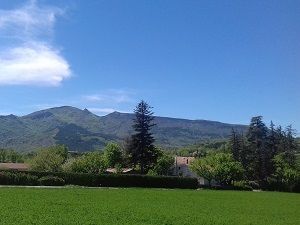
(23, 205)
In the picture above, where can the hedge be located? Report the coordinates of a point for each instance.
(51, 181)
(10, 178)
(118, 180)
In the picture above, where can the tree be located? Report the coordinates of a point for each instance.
(11, 156)
(204, 167)
(113, 155)
(257, 148)
(48, 159)
(92, 162)
(286, 176)
(235, 145)
(163, 164)
(140, 149)
(221, 167)
(227, 169)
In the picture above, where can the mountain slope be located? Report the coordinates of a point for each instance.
(81, 130)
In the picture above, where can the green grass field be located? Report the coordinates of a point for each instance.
(145, 206)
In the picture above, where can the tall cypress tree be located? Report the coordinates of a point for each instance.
(140, 149)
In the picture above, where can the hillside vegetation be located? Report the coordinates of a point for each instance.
(81, 130)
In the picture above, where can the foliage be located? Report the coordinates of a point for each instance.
(51, 181)
(220, 167)
(23, 206)
(285, 177)
(48, 159)
(242, 186)
(204, 167)
(113, 155)
(122, 180)
(10, 178)
(10, 156)
(140, 149)
(202, 149)
(227, 170)
(163, 164)
(267, 154)
(91, 162)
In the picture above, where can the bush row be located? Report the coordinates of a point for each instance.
(101, 180)
(10, 178)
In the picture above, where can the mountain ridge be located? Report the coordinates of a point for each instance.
(81, 130)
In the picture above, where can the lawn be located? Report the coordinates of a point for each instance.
(145, 206)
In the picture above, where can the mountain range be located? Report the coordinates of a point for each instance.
(81, 130)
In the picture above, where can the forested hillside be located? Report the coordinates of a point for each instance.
(81, 130)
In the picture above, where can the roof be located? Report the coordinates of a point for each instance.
(14, 166)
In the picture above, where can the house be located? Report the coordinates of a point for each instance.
(14, 166)
(181, 168)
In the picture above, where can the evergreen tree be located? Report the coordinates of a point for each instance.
(140, 148)
(290, 146)
(235, 145)
(257, 150)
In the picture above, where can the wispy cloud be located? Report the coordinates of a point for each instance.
(104, 111)
(28, 57)
(111, 96)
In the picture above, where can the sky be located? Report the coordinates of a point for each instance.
(224, 61)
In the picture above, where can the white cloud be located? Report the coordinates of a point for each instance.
(111, 96)
(29, 58)
(93, 98)
(104, 111)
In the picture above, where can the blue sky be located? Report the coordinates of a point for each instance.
(225, 61)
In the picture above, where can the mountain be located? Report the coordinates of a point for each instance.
(82, 130)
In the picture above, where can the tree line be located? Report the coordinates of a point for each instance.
(264, 155)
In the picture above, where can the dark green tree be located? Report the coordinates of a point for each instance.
(140, 148)
(257, 148)
(235, 145)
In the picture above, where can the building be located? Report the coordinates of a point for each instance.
(181, 168)
(14, 166)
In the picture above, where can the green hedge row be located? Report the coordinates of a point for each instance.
(11, 178)
(116, 180)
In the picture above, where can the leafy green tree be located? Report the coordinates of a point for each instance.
(113, 155)
(286, 176)
(204, 167)
(227, 169)
(11, 156)
(163, 164)
(92, 162)
(47, 159)
(63, 151)
(140, 149)
(221, 167)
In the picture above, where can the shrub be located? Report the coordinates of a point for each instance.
(253, 184)
(51, 181)
(242, 186)
(10, 178)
